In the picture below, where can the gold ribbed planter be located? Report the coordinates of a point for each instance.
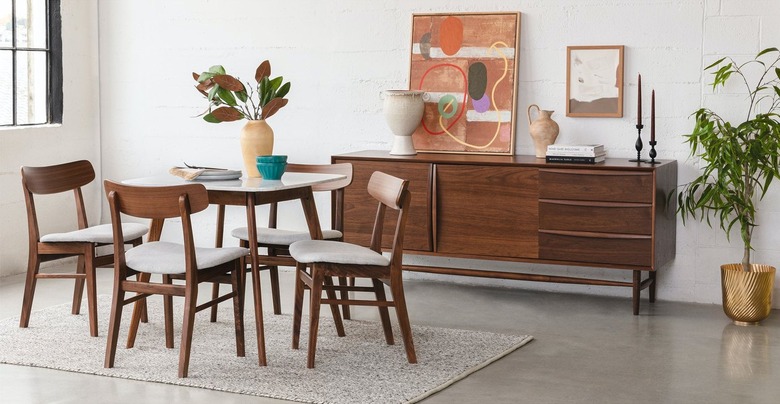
(747, 296)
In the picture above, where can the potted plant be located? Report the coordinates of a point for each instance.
(739, 162)
(230, 100)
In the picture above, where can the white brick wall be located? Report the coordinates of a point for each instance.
(340, 55)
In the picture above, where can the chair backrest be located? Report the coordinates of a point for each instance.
(393, 193)
(336, 187)
(155, 203)
(52, 180)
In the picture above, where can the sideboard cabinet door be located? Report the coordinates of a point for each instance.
(486, 210)
(360, 207)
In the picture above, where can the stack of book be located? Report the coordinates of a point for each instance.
(581, 154)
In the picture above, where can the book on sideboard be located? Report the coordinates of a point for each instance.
(576, 159)
(589, 150)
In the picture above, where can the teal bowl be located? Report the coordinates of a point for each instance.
(271, 171)
(272, 158)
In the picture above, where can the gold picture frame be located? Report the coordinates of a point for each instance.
(467, 65)
(594, 81)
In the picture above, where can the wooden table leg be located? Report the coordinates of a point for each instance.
(218, 244)
(652, 286)
(251, 222)
(636, 290)
(312, 220)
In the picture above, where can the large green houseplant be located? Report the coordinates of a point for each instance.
(230, 100)
(739, 162)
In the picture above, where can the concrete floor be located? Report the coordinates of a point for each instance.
(587, 349)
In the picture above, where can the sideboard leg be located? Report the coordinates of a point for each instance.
(636, 289)
(652, 286)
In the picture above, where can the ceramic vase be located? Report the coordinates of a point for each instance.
(257, 139)
(747, 296)
(543, 130)
(403, 110)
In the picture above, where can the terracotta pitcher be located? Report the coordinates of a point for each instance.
(543, 130)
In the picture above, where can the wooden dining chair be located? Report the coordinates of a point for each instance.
(277, 241)
(326, 258)
(173, 261)
(81, 243)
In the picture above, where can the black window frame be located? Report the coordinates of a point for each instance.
(53, 49)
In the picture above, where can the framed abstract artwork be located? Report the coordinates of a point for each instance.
(467, 65)
(594, 81)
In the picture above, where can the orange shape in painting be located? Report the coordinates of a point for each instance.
(451, 35)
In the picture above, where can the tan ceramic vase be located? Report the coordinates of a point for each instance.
(543, 130)
(257, 139)
(747, 296)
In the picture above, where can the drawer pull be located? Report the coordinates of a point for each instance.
(596, 203)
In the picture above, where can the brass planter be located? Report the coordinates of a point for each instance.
(747, 296)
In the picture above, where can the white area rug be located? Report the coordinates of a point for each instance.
(358, 368)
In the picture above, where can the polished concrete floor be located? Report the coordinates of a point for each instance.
(586, 350)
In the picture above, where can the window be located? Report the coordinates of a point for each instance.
(30, 62)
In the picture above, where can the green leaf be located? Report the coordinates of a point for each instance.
(714, 64)
(242, 96)
(285, 88)
(765, 51)
(275, 83)
(217, 69)
(226, 96)
(213, 93)
(211, 118)
(205, 76)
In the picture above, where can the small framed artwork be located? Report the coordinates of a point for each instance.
(467, 65)
(594, 81)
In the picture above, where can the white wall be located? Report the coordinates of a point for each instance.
(340, 55)
(77, 138)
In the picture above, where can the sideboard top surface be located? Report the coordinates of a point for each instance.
(526, 160)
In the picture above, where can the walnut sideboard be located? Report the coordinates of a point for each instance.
(615, 214)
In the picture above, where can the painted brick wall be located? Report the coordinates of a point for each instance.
(339, 55)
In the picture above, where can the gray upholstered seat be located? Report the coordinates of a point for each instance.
(309, 251)
(96, 234)
(168, 258)
(267, 235)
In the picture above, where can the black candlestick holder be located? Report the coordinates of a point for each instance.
(652, 153)
(638, 144)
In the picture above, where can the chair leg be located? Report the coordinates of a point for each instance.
(113, 323)
(190, 301)
(238, 311)
(334, 308)
(344, 296)
(314, 312)
(384, 315)
(275, 295)
(78, 288)
(298, 305)
(214, 295)
(138, 309)
(144, 312)
(33, 267)
(89, 266)
(397, 289)
(168, 314)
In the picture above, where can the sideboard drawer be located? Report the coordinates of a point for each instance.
(595, 249)
(596, 185)
(603, 217)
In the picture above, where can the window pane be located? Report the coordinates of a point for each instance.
(5, 23)
(6, 92)
(31, 23)
(30, 87)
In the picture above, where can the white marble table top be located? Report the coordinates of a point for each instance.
(289, 180)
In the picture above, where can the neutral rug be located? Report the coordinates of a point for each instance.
(358, 368)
